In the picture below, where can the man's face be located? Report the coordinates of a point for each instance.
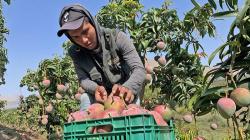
(85, 36)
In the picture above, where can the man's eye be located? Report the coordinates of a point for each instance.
(84, 32)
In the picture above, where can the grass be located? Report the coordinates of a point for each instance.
(223, 132)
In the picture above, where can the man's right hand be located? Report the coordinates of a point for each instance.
(101, 94)
(121, 91)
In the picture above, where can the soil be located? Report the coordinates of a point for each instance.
(8, 133)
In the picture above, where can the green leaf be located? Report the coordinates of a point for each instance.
(213, 4)
(245, 36)
(217, 90)
(183, 88)
(216, 75)
(145, 43)
(232, 3)
(223, 54)
(242, 64)
(182, 98)
(199, 102)
(192, 101)
(211, 57)
(189, 83)
(225, 14)
(51, 67)
(204, 111)
(211, 32)
(175, 88)
(195, 4)
(216, 72)
(221, 2)
(205, 101)
(7, 1)
(177, 94)
(241, 73)
(244, 81)
(235, 2)
(228, 4)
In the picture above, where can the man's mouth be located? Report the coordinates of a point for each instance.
(89, 44)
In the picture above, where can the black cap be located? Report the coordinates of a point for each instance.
(71, 18)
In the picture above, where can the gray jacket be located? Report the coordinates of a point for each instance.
(89, 64)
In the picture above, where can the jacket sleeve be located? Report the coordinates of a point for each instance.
(138, 73)
(87, 84)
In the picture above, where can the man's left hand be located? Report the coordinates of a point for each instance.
(123, 92)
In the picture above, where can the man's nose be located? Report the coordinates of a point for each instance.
(84, 40)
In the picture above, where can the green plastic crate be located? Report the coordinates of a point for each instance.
(135, 127)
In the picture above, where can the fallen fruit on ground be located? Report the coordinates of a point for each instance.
(188, 118)
(214, 126)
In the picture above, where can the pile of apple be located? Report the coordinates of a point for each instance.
(115, 107)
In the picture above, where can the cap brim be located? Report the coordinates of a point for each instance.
(70, 26)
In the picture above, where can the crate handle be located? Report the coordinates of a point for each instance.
(100, 128)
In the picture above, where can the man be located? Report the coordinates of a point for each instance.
(105, 60)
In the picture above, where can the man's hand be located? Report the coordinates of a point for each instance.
(100, 94)
(123, 92)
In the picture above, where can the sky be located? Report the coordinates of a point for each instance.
(33, 25)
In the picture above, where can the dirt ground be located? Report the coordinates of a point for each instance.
(7, 133)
